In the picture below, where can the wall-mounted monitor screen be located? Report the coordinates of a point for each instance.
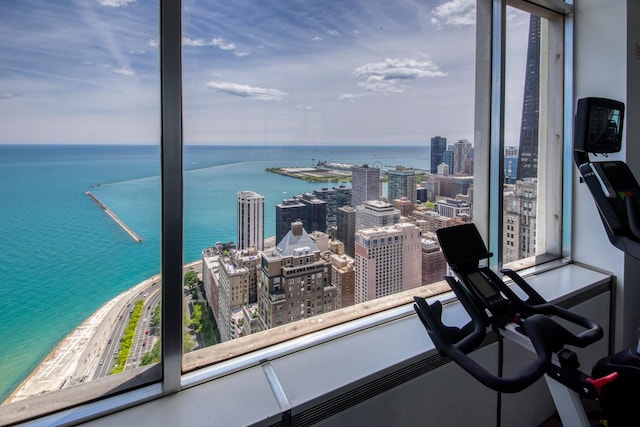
(598, 127)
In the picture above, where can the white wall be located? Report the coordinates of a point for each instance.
(606, 66)
(448, 396)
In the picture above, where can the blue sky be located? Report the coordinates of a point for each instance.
(312, 72)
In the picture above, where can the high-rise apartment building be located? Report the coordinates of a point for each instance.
(448, 160)
(460, 185)
(295, 281)
(451, 208)
(376, 213)
(237, 287)
(210, 267)
(422, 194)
(315, 216)
(434, 266)
(250, 220)
(288, 212)
(343, 195)
(245, 321)
(328, 195)
(438, 146)
(388, 260)
(404, 205)
(528, 149)
(461, 152)
(334, 197)
(431, 183)
(365, 184)
(402, 183)
(510, 164)
(443, 169)
(346, 228)
(343, 276)
(430, 221)
(519, 227)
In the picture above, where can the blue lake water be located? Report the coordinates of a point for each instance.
(61, 257)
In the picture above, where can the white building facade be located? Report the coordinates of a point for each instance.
(250, 220)
(387, 261)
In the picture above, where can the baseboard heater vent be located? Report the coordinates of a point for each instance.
(354, 396)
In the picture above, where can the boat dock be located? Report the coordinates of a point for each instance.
(113, 216)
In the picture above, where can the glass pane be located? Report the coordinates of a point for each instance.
(532, 162)
(80, 205)
(321, 138)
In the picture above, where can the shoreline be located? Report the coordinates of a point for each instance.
(75, 358)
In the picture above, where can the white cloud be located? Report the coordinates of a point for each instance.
(186, 41)
(153, 43)
(4, 96)
(391, 75)
(246, 91)
(217, 42)
(458, 13)
(222, 44)
(316, 38)
(115, 3)
(124, 71)
(351, 97)
(334, 33)
(304, 107)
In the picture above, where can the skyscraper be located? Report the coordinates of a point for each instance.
(434, 266)
(528, 150)
(288, 212)
(448, 159)
(402, 184)
(461, 152)
(328, 195)
(376, 213)
(335, 198)
(238, 287)
(365, 184)
(346, 228)
(438, 146)
(388, 260)
(343, 195)
(520, 226)
(343, 276)
(315, 217)
(250, 220)
(289, 293)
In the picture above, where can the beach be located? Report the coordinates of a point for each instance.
(75, 359)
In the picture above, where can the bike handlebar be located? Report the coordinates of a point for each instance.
(546, 335)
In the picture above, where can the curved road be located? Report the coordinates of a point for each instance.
(142, 341)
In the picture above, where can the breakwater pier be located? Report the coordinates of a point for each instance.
(113, 216)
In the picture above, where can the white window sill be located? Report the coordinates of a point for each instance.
(298, 375)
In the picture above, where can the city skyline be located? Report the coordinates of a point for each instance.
(323, 74)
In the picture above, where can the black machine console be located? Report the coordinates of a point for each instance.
(598, 131)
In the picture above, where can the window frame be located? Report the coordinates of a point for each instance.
(489, 148)
(490, 127)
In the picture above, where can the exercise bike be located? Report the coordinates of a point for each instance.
(530, 321)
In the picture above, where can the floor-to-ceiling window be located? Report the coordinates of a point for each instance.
(290, 112)
(355, 120)
(533, 137)
(80, 200)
